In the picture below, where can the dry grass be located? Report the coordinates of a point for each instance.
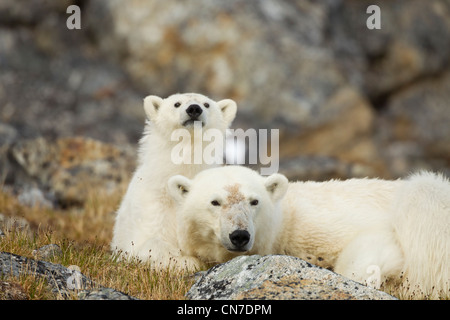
(84, 235)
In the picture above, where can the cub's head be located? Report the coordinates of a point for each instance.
(182, 110)
(227, 211)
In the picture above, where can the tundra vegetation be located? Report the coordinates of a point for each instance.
(83, 234)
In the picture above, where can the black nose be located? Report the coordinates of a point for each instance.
(194, 111)
(239, 238)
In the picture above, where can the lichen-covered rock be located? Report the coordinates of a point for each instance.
(64, 281)
(12, 291)
(104, 294)
(271, 57)
(47, 252)
(8, 223)
(69, 167)
(311, 69)
(278, 277)
(417, 119)
(60, 278)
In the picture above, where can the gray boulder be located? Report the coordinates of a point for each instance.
(12, 291)
(62, 168)
(104, 294)
(47, 252)
(278, 277)
(63, 281)
(8, 223)
(59, 277)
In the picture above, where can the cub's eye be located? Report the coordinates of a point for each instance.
(215, 203)
(206, 104)
(254, 202)
(176, 105)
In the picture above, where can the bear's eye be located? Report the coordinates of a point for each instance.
(254, 202)
(206, 104)
(215, 203)
(176, 105)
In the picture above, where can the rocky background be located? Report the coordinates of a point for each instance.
(348, 101)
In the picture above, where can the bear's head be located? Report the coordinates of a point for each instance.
(227, 211)
(183, 110)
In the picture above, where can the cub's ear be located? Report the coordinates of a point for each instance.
(228, 108)
(179, 187)
(151, 106)
(276, 185)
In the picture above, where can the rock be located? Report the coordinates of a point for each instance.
(271, 57)
(54, 83)
(33, 197)
(8, 223)
(63, 281)
(409, 46)
(47, 252)
(65, 167)
(233, 50)
(343, 121)
(311, 69)
(8, 135)
(12, 13)
(104, 294)
(59, 277)
(415, 127)
(277, 277)
(12, 291)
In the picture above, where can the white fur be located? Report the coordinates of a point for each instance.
(393, 232)
(422, 223)
(203, 228)
(401, 227)
(145, 225)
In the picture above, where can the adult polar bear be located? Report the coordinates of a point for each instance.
(144, 225)
(361, 228)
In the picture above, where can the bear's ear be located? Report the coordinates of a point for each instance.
(228, 108)
(179, 187)
(276, 185)
(151, 106)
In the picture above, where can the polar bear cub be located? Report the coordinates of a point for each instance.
(227, 212)
(144, 225)
(370, 230)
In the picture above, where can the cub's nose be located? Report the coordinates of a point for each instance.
(239, 238)
(193, 111)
